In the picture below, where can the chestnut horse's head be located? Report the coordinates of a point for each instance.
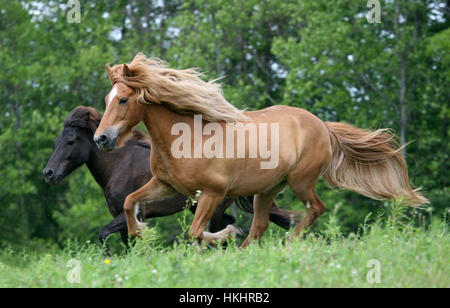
(122, 113)
(149, 81)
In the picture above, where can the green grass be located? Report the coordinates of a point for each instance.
(408, 257)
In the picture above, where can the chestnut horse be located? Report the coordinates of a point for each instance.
(122, 172)
(368, 162)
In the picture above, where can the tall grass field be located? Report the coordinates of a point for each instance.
(390, 251)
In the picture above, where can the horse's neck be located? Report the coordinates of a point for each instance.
(159, 121)
(99, 165)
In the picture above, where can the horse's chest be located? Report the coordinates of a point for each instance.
(161, 167)
(115, 206)
(115, 194)
(181, 174)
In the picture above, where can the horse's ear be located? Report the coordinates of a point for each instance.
(127, 71)
(93, 119)
(109, 72)
(138, 56)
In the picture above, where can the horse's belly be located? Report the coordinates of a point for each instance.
(249, 181)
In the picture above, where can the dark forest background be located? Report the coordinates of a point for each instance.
(320, 55)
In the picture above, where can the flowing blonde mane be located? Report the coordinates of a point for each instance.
(180, 90)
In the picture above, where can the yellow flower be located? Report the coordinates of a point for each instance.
(107, 261)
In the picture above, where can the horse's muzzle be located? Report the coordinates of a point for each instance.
(105, 141)
(50, 176)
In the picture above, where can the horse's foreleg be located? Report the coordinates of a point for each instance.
(207, 205)
(152, 191)
(124, 236)
(261, 206)
(117, 224)
(220, 220)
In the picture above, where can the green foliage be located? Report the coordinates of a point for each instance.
(408, 257)
(80, 215)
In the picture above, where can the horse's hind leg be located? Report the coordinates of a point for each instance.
(303, 181)
(314, 208)
(304, 189)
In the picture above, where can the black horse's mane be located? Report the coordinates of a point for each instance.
(89, 118)
(139, 137)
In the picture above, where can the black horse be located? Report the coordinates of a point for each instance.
(125, 170)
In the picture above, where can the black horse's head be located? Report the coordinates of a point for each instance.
(73, 145)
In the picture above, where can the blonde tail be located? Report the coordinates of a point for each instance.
(370, 163)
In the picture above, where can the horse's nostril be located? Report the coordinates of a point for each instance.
(100, 140)
(48, 173)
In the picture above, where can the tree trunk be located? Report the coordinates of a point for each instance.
(403, 105)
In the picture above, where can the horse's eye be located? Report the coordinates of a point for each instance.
(123, 101)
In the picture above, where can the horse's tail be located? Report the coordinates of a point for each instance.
(283, 218)
(370, 163)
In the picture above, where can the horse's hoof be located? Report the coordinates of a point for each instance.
(236, 230)
(141, 226)
(133, 234)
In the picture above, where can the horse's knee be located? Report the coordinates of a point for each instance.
(258, 228)
(321, 210)
(315, 208)
(318, 210)
(129, 205)
(196, 234)
(318, 207)
(261, 228)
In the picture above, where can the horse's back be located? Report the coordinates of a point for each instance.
(300, 130)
